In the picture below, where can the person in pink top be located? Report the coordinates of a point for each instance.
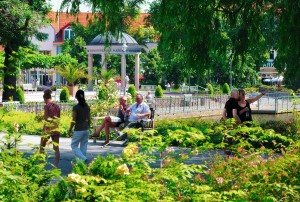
(51, 114)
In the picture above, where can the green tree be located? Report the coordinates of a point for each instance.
(70, 69)
(19, 20)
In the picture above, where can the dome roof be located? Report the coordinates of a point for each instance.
(110, 39)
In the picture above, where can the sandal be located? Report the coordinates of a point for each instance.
(105, 143)
(95, 135)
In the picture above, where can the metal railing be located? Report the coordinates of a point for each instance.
(270, 103)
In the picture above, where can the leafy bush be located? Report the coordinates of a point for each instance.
(20, 95)
(132, 91)
(210, 89)
(159, 92)
(23, 178)
(102, 92)
(64, 95)
(226, 89)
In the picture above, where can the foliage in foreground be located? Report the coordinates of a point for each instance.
(22, 178)
(153, 170)
(252, 177)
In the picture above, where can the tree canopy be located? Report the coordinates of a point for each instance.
(19, 20)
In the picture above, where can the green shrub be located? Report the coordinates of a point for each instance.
(103, 92)
(226, 89)
(132, 91)
(159, 92)
(20, 95)
(64, 95)
(210, 89)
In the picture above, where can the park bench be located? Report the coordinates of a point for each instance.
(56, 95)
(111, 112)
(29, 87)
(148, 87)
(187, 100)
(189, 89)
(146, 125)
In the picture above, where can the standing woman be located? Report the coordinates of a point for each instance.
(244, 110)
(51, 115)
(81, 121)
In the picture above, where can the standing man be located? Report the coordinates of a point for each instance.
(231, 107)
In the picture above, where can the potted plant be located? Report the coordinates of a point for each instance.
(72, 73)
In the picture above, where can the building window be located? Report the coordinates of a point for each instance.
(68, 33)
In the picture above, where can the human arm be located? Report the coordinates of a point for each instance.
(72, 122)
(235, 115)
(251, 100)
(224, 117)
(246, 109)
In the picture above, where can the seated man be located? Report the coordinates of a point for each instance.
(137, 112)
(107, 122)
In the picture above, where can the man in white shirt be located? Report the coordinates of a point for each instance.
(137, 112)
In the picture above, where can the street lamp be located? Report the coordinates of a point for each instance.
(124, 48)
(230, 73)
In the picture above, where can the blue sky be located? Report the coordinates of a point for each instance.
(56, 5)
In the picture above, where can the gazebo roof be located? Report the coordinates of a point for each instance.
(110, 39)
(108, 43)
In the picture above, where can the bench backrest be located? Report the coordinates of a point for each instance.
(148, 87)
(187, 97)
(27, 86)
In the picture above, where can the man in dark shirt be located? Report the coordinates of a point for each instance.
(231, 106)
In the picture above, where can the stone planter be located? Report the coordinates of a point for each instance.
(73, 90)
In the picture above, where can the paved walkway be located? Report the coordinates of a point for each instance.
(31, 142)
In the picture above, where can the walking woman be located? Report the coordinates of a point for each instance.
(51, 115)
(81, 121)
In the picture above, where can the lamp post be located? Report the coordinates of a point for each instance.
(230, 73)
(124, 48)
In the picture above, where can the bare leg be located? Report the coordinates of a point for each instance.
(55, 139)
(97, 132)
(108, 125)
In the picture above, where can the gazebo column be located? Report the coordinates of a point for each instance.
(90, 71)
(103, 63)
(123, 72)
(136, 72)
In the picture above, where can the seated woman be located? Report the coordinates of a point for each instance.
(108, 123)
(244, 110)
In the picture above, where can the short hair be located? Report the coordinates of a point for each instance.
(139, 94)
(234, 91)
(123, 97)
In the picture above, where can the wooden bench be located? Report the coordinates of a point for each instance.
(111, 112)
(56, 95)
(189, 89)
(29, 87)
(187, 99)
(148, 87)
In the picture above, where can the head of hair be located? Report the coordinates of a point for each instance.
(80, 97)
(139, 94)
(47, 94)
(123, 97)
(233, 91)
(242, 91)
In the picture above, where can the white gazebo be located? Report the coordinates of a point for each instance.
(122, 45)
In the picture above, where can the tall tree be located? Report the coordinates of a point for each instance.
(19, 20)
